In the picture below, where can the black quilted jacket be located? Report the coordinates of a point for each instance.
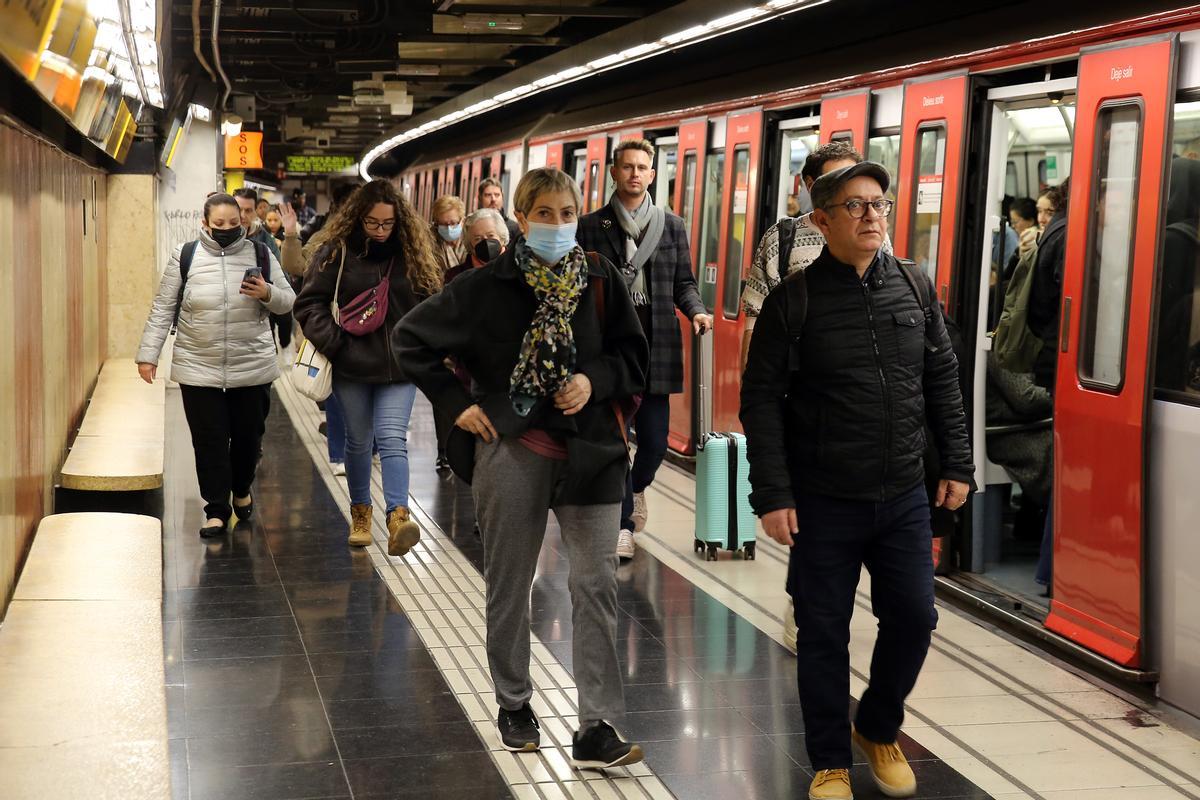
(849, 422)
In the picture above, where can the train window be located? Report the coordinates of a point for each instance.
(843, 136)
(1110, 246)
(736, 245)
(1011, 183)
(689, 189)
(609, 186)
(664, 177)
(594, 184)
(1177, 367)
(931, 162)
(885, 149)
(792, 198)
(710, 226)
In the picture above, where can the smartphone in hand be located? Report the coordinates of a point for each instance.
(253, 272)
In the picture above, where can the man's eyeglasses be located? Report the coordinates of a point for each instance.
(857, 209)
(376, 225)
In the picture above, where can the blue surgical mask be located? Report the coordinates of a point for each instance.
(551, 242)
(450, 233)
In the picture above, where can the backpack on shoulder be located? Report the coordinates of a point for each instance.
(1016, 346)
(188, 252)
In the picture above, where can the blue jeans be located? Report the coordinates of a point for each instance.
(376, 412)
(335, 430)
(652, 423)
(837, 538)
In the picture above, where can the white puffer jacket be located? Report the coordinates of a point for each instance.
(224, 337)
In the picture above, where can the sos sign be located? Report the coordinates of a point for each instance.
(244, 151)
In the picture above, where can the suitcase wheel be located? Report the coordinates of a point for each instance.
(711, 555)
(698, 546)
(748, 550)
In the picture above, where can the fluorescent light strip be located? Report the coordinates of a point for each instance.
(696, 33)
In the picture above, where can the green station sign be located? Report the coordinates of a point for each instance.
(318, 165)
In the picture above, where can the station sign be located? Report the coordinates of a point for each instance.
(244, 151)
(318, 165)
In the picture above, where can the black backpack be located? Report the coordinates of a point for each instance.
(787, 238)
(796, 288)
(261, 254)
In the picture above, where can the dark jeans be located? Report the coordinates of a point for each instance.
(227, 428)
(837, 537)
(652, 424)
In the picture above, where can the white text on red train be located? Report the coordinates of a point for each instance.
(926, 102)
(1121, 73)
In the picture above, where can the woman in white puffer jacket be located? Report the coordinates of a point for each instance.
(224, 359)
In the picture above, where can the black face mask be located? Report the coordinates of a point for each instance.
(377, 251)
(487, 250)
(227, 236)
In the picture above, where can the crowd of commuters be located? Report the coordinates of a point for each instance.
(546, 341)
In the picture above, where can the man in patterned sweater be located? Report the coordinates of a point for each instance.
(803, 241)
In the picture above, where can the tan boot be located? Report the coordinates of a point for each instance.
(831, 784)
(360, 525)
(403, 533)
(889, 767)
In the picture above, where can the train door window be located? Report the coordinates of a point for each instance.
(885, 149)
(710, 226)
(1110, 247)
(1011, 186)
(931, 162)
(609, 186)
(844, 136)
(579, 166)
(594, 186)
(735, 248)
(664, 174)
(1177, 367)
(796, 145)
(689, 188)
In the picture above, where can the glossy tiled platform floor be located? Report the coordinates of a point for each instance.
(297, 668)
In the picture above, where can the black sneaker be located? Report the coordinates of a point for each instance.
(599, 747)
(519, 730)
(443, 465)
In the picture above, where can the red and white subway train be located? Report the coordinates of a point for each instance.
(1117, 109)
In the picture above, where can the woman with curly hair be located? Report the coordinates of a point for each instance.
(370, 265)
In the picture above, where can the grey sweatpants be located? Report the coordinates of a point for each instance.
(513, 487)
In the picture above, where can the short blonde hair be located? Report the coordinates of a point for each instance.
(448, 202)
(633, 144)
(488, 214)
(541, 181)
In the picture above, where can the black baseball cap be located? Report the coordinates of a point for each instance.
(826, 187)
(298, 192)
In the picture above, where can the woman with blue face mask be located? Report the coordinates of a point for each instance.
(451, 248)
(555, 353)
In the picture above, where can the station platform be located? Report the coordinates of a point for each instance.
(297, 667)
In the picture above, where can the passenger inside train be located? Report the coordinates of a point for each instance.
(599, 400)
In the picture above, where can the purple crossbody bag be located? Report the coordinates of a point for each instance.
(367, 311)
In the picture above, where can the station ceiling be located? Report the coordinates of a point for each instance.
(317, 71)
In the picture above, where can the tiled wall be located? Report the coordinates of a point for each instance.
(53, 325)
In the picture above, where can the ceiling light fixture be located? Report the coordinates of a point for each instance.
(727, 23)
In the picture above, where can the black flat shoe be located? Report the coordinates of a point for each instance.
(244, 513)
(443, 465)
(209, 531)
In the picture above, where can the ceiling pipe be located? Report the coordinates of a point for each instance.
(216, 48)
(196, 40)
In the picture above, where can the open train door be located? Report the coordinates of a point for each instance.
(1118, 186)
(739, 210)
(593, 178)
(933, 133)
(846, 116)
(689, 169)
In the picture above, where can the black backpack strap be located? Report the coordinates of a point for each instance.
(796, 288)
(186, 254)
(916, 282)
(262, 255)
(787, 238)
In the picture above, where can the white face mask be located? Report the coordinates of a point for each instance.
(551, 242)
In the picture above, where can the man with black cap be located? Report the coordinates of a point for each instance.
(848, 359)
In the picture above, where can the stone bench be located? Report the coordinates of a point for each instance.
(82, 686)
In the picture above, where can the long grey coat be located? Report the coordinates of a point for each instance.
(224, 337)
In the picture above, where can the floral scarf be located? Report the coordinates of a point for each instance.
(547, 358)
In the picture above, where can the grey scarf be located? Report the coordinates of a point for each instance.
(643, 229)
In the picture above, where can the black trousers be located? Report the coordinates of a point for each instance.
(837, 538)
(227, 427)
(283, 324)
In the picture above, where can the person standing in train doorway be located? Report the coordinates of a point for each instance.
(788, 246)
(848, 359)
(650, 245)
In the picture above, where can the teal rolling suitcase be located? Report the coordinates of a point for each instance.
(723, 514)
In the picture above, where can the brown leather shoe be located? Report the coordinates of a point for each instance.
(831, 784)
(889, 767)
(360, 525)
(403, 533)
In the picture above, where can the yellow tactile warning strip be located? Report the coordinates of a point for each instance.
(442, 594)
(1010, 720)
(82, 706)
